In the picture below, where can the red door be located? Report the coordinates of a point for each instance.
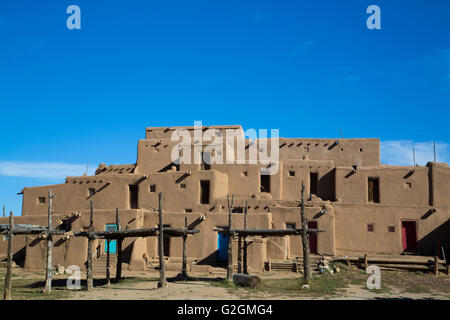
(312, 237)
(409, 236)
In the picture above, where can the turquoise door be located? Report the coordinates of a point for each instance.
(112, 243)
(222, 247)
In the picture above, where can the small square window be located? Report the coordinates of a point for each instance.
(290, 225)
(91, 191)
(370, 227)
(187, 210)
(391, 229)
(408, 185)
(41, 199)
(245, 173)
(291, 173)
(182, 186)
(153, 188)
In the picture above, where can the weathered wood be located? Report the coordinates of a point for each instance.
(266, 232)
(245, 237)
(108, 267)
(89, 276)
(4, 208)
(162, 268)
(366, 261)
(49, 266)
(239, 269)
(436, 266)
(7, 288)
(305, 239)
(144, 232)
(245, 280)
(230, 239)
(183, 269)
(119, 249)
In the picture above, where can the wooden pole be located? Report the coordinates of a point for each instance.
(119, 249)
(245, 238)
(90, 280)
(230, 240)
(305, 239)
(108, 267)
(366, 261)
(239, 270)
(4, 209)
(183, 269)
(49, 268)
(7, 288)
(436, 266)
(162, 268)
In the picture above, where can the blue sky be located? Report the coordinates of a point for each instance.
(307, 68)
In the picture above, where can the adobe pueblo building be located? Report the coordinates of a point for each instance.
(361, 205)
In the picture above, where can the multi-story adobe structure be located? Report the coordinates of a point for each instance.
(361, 205)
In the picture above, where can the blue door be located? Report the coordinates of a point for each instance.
(112, 243)
(222, 247)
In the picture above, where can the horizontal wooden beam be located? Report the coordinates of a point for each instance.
(266, 232)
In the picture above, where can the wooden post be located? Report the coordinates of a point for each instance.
(49, 268)
(230, 240)
(89, 278)
(7, 288)
(119, 249)
(183, 269)
(305, 238)
(436, 266)
(366, 261)
(108, 267)
(4, 209)
(162, 268)
(239, 270)
(245, 238)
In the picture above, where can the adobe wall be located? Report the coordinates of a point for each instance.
(352, 235)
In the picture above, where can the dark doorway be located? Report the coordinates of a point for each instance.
(373, 189)
(222, 247)
(409, 236)
(312, 237)
(206, 161)
(204, 191)
(166, 242)
(133, 196)
(313, 180)
(265, 183)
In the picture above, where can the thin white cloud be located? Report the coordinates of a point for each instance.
(302, 48)
(42, 170)
(400, 152)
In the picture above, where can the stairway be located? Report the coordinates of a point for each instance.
(99, 265)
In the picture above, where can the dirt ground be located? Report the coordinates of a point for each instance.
(350, 284)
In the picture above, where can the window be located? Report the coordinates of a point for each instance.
(238, 210)
(373, 190)
(313, 177)
(244, 173)
(265, 183)
(204, 191)
(41, 199)
(153, 188)
(290, 225)
(408, 185)
(391, 229)
(182, 186)
(187, 210)
(291, 173)
(133, 196)
(91, 192)
(370, 227)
